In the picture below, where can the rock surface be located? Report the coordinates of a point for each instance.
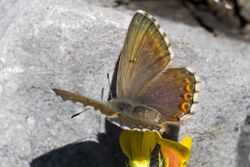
(73, 46)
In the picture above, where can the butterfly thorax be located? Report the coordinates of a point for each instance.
(133, 110)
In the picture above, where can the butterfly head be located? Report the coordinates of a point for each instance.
(121, 106)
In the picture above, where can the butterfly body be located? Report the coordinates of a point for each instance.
(149, 94)
(133, 110)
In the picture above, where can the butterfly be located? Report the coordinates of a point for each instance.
(149, 94)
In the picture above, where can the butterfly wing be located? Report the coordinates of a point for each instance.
(171, 93)
(104, 108)
(127, 122)
(146, 52)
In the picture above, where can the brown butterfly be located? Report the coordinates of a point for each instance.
(150, 95)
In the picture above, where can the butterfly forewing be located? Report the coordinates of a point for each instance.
(104, 108)
(146, 52)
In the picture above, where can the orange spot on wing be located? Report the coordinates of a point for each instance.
(188, 88)
(187, 81)
(185, 106)
(187, 96)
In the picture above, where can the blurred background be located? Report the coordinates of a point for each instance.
(231, 17)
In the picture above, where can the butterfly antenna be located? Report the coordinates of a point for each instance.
(102, 93)
(110, 94)
(79, 113)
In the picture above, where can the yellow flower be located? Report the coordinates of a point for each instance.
(138, 146)
(175, 154)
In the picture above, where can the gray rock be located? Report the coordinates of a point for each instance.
(54, 44)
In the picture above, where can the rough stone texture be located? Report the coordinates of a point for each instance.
(73, 46)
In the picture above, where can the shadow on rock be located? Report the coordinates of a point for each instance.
(104, 153)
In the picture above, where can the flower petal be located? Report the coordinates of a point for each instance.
(175, 154)
(186, 141)
(138, 146)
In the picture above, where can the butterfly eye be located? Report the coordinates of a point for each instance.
(124, 107)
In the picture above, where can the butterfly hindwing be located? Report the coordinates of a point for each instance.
(146, 52)
(171, 93)
(127, 122)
